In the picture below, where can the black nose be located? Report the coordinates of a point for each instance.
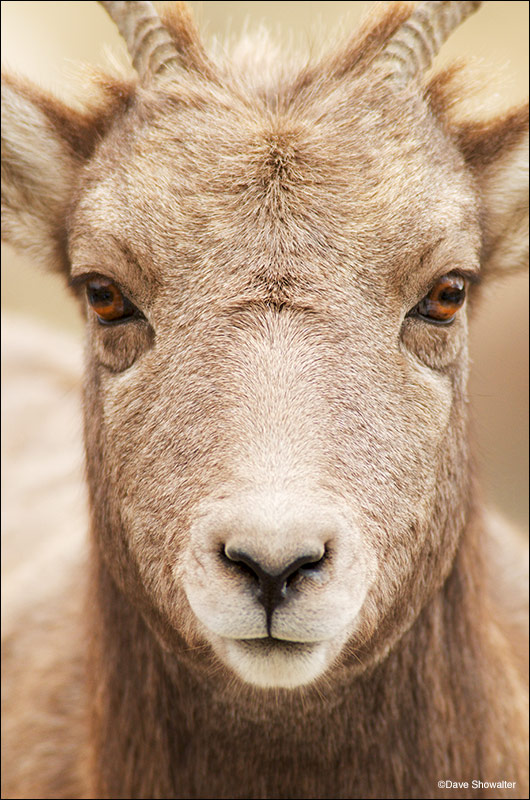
(274, 588)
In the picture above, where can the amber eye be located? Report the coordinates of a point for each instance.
(443, 301)
(109, 303)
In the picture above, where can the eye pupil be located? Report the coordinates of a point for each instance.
(451, 295)
(99, 296)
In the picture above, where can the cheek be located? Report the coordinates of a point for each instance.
(428, 397)
(408, 514)
(156, 455)
(393, 445)
(428, 432)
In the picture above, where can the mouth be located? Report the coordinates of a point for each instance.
(272, 646)
(275, 663)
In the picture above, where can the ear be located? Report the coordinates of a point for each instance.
(39, 171)
(497, 153)
(45, 144)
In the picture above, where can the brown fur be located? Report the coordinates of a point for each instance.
(274, 225)
(178, 20)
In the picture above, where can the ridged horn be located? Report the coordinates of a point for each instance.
(412, 49)
(149, 43)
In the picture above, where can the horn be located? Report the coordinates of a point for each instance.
(149, 43)
(412, 49)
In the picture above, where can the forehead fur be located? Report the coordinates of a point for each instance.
(299, 172)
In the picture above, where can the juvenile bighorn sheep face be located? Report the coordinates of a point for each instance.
(275, 276)
(277, 404)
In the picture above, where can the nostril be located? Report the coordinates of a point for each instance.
(311, 566)
(308, 567)
(311, 562)
(240, 560)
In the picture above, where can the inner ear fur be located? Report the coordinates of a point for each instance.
(44, 144)
(496, 151)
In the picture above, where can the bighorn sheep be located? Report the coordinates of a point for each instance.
(293, 590)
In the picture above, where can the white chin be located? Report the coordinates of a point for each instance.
(275, 664)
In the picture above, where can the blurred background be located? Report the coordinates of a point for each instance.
(45, 41)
